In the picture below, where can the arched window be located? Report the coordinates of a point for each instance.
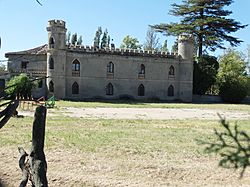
(51, 86)
(171, 91)
(171, 70)
(142, 71)
(141, 90)
(110, 67)
(51, 42)
(51, 63)
(76, 68)
(75, 88)
(109, 89)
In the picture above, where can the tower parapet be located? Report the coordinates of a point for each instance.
(56, 34)
(56, 23)
(186, 46)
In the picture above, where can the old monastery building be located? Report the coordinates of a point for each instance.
(83, 72)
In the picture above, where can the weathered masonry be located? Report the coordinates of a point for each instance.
(80, 72)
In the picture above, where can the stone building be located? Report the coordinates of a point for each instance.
(81, 72)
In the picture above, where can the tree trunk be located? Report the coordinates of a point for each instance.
(200, 34)
(36, 166)
(200, 50)
(37, 161)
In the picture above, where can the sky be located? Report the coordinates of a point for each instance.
(23, 22)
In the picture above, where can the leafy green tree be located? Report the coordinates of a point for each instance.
(20, 86)
(232, 77)
(130, 43)
(248, 59)
(205, 73)
(74, 39)
(152, 41)
(207, 20)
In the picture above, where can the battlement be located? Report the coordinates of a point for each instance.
(118, 51)
(186, 38)
(56, 23)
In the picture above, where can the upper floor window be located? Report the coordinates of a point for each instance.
(141, 74)
(109, 89)
(75, 88)
(141, 90)
(51, 86)
(171, 91)
(51, 42)
(110, 67)
(142, 70)
(51, 63)
(76, 68)
(24, 64)
(171, 70)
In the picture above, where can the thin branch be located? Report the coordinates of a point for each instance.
(39, 2)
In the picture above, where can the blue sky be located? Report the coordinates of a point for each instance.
(23, 22)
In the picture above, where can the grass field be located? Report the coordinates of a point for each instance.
(110, 152)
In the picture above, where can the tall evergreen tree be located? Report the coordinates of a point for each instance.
(104, 41)
(68, 37)
(164, 47)
(79, 40)
(74, 39)
(207, 20)
(98, 37)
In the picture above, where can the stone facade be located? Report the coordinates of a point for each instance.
(81, 72)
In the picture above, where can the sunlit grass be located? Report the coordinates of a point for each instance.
(126, 136)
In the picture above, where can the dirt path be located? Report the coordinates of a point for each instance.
(153, 113)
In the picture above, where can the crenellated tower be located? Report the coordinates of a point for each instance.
(186, 53)
(56, 58)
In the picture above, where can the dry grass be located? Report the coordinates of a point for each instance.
(109, 152)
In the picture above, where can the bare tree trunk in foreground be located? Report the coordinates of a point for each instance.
(35, 168)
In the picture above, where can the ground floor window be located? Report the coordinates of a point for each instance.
(75, 88)
(171, 91)
(109, 89)
(141, 90)
(51, 86)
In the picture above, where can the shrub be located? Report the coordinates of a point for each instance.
(20, 86)
(234, 90)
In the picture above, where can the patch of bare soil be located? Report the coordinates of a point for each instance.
(73, 168)
(153, 113)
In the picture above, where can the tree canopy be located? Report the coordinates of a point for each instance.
(207, 20)
(232, 77)
(205, 72)
(152, 41)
